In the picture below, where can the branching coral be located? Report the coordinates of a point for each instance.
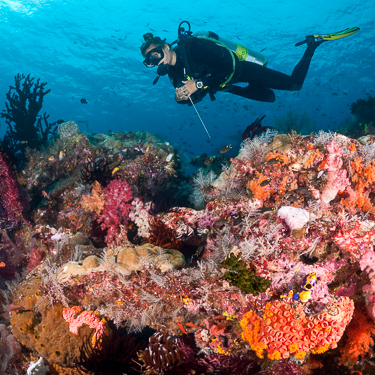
(21, 114)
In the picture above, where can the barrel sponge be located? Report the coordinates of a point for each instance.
(45, 331)
(67, 129)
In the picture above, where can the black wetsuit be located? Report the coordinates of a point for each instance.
(213, 64)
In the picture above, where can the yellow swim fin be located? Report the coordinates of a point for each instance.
(334, 36)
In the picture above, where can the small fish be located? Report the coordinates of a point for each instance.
(249, 194)
(225, 149)
(302, 190)
(61, 155)
(51, 158)
(220, 222)
(208, 188)
(115, 170)
(169, 158)
(208, 161)
(265, 182)
(15, 307)
(83, 101)
(23, 142)
(238, 220)
(265, 209)
(292, 199)
(263, 49)
(273, 161)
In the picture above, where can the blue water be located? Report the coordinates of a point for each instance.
(90, 49)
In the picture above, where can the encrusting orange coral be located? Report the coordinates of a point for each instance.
(285, 330)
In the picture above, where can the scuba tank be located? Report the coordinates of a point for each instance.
(243, 53)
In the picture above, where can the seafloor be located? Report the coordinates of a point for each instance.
(271, 272)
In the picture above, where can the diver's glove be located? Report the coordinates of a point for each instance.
(181, 93)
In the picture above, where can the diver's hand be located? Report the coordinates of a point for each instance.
(184, 92)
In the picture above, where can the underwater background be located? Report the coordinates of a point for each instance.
(90, 49)
(131, 242)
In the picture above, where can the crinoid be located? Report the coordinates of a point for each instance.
(162, 354)
(112, 356)
(161, 235)
(97, 170)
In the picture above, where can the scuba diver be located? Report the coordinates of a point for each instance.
(204, 63)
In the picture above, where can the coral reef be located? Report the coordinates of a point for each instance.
(273, 272)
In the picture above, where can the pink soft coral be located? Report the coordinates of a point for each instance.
(116, 210)
(336, 177)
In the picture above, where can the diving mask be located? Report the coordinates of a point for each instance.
(153, 57)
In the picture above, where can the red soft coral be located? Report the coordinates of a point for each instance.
(116, 210)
